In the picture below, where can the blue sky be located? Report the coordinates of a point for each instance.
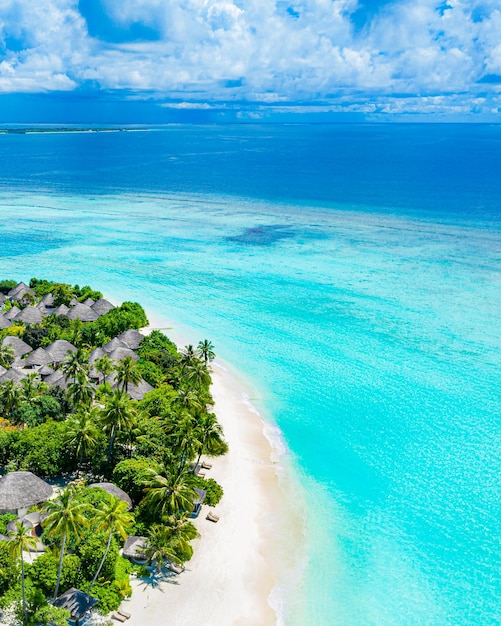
(243, 60)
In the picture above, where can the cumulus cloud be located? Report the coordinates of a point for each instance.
(260, 51)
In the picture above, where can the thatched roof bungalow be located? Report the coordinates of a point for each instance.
(45, 371)
(89, 302)
(62, 309)
(76, 602)
(4, 322)
(115, 491)
(97, 353)
(43, 309)
(19, 347)
(12, 312)
(21, 490)
(82, 312)
(48, 299)
(198, 501)
(113, 344)
(38, 357)
(131, 338)
(29, 315)
(102, 306)
(135, 549)
(13, 374)
(120, 353)
(54, 378)
(58, 350)
(19, 291)
(137, 392)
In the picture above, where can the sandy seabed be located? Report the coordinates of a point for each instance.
(243, 561)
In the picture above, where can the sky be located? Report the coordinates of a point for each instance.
(155, 61)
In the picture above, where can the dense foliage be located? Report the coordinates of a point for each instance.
(90, 427)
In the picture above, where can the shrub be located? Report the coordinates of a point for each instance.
(214, 490)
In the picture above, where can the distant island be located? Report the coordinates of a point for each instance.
(59, 129)
(102, 434)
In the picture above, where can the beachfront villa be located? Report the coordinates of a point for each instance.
(77, 603)
(21, 490)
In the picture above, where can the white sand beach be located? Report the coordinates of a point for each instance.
(238, 560)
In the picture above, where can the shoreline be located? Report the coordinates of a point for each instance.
(243, 563)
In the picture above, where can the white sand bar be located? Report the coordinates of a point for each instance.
(237, 561)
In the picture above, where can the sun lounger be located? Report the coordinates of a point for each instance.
(201, 474)
(206, 466)
(177, 569)
(212, 517)
(123, 613)
(118, 617)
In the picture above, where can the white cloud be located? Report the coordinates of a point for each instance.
(259, 50)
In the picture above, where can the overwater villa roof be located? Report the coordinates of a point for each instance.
(59, 348)
(102, 306)
(113, 344)
(48, 299)
(29, 315)
(4, 322)
(12, 312)
(82, 312)
(114, 491)
(38, 357)
(137, 392)
(76, 602)
(19, 490)
(19, 347)
(135, 548)
(62, 309)
(120, 353)
(131, 338)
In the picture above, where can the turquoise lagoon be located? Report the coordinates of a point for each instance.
(353, 274)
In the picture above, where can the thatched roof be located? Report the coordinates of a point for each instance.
(102, 306)
(38, 357)
(131, 338)
(29, 315)
(2, 370)
(4, 322)
(113, 344)
(19, 490)
(59, 348)
(45, 370)
(62, 309)
(201, 493)
(12, 374)
(114, 491)
(135, 548)
(82, 312)
(89, 302)
(20, 290)
(74, 302)
(43, 309)
(53, 378)
(76, 602)
(48, 299)
(137, 392)
(19, 347)
(97, 353)
(3, 298)
(120, 353)
(12, 312)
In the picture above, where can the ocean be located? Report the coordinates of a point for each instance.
(352, 272)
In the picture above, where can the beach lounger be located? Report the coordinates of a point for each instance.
(212, 517)
(177, 569)
(123, 613)
(201, 474)
(206, 466)
(118, 617)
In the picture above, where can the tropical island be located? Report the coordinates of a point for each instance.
(102, 436)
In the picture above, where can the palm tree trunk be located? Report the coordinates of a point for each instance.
(60, 568)
(25, 610)
(110, 449)
(102, 562)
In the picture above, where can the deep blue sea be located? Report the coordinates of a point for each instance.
(352, 272)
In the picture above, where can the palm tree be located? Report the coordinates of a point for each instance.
(161, 546)
(183, 439)
(170, 494)
(6, 356)
(205, 350)
(210, 435)
(197, 374)
(188, 400)
(82, 431)
(29, 387)
(128, 372)
(188, 354)
(10, 394)
(181, 531)
(112, 517)
(80, 390)
(117, 415)
(66, 518)
(104, 366)
(74, 363)
(21, 540)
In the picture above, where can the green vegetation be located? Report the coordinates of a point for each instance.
(90, 427)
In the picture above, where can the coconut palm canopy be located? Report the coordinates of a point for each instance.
(19, 490)
(131, 338)
(29, 315)
(19, 347)
(59, 348)
(114, 491)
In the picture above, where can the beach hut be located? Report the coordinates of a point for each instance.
(114, 344)
(76, 602)
(12, 312)
(37, 357)
(3, 298)
(54, 378)
(20, 291)
(58, 350)
(12, 374)
(29, 315)
(198, 501)
(97, 353)
(135, 549)
(137, 392)
(102, 306)
(89, 302)
(45, 371)
(74, 302)
(43, 309)
(2, 370)
(82, 312)
(47, 300)
(131, 338)
(62, 309)
(120, 353)
(19, 347)
(20, 490)
(115, 491)
(4, 322)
